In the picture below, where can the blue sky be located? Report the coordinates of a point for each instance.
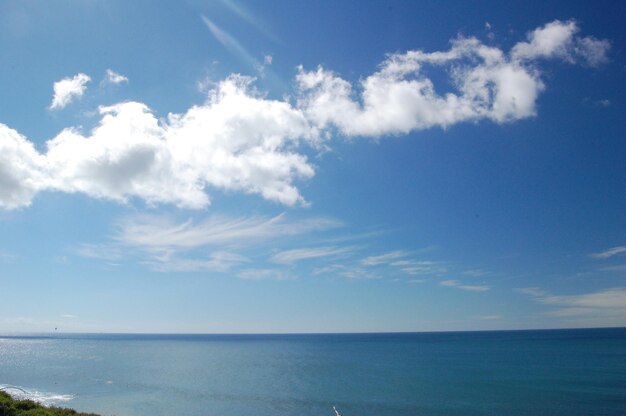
(293, 166)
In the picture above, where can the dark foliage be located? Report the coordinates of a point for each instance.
(13, 407)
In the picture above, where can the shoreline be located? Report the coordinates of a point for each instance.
(11, 406)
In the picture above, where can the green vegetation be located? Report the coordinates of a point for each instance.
(13, 407)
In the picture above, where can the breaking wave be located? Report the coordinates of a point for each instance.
(42, 397)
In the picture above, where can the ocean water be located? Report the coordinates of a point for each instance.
(553, 372)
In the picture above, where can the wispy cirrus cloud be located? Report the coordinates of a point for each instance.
(243, 13)
(402, 261)
(348, 271)
(99, 251)
(459, 285)
(420, 267)
(231, 43)
(217, 243)
(162, 232)
(614, 251)
(603, 302)
(6, 257)
(265, 274)
(383, 258)
(218, 261)
(213, 244)
(298, 254)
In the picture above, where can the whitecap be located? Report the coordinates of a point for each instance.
(42, 397)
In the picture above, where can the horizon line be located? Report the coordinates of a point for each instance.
(58, 333)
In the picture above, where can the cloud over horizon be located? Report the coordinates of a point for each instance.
(241, 141)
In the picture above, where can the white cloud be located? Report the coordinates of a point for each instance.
(161, 233)
(557, 40)
(603, 103)
(399, 98)
(570, 312)
(610, 252)
(112, 77)
(349, 272)
(240, 141)
(475, 273)
(419, 267)
(488, 317)
(358, 273)
(68, 89)
(99, 251)
(218, 261)
(618, 268)
(609, 298)
(551, 40)
(532, 291)
(264, 274)
(459, 285)
(212, 244)
(6, 257)
(295, 255)
(236, 141)
(383, 258)
(605, 302)
(20, 169)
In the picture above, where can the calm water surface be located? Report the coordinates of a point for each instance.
(556, 372)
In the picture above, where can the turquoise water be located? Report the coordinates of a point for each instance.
(556, 372)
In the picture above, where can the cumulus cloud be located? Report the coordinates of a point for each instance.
(557, 39)
(66, 90)
(112, 77)
(21, 176)
(241, 141)
(235, 141)
(490, 84)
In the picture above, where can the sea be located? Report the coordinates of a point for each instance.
(508, 373)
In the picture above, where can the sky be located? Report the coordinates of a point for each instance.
(292, 166)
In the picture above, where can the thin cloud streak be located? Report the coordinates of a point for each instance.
(383, 258)
(231, 43)
(249, 18)
(610, 252)
(298, 254)
(605, 302)
(162, 232)
(219, 261)
(470, 288)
